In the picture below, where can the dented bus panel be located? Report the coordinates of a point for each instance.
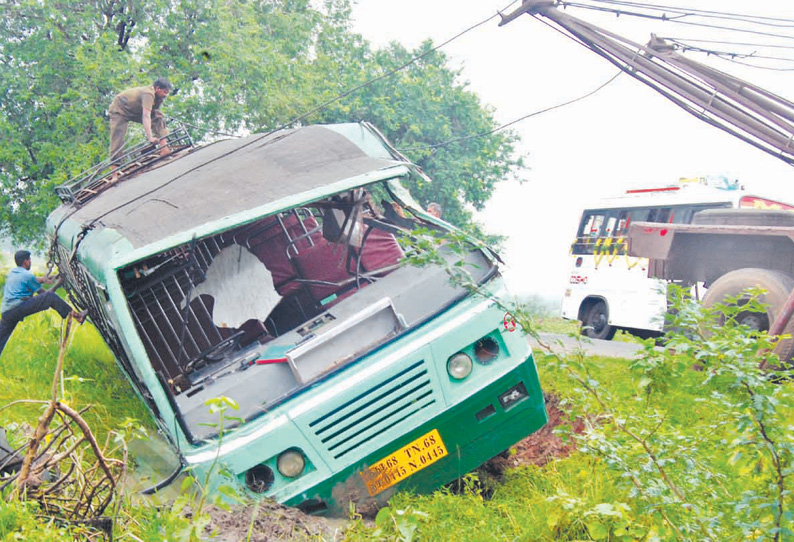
(270, 270)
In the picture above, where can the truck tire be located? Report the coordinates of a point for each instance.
(595, 322)
(744, 217)
(777, 285)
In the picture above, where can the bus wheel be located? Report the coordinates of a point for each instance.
(777, 285)
(596, 322)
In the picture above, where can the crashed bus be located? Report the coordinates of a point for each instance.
(271, 270)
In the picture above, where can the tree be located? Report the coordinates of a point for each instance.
(239, 67)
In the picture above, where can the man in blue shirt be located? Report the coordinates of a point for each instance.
(19, 300)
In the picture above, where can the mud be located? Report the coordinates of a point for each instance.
(273, 522)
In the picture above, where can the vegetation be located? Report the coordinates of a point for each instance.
(239, 67)
(692, 442)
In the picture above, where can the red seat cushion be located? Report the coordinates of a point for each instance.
(326, 262)
(380, 250)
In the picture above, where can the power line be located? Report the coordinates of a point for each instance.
(770, 68)
(392, 72)
(728, 54)
(726, 42)
(503, 126)
(374, 80)
(745, 17)
(677, 19)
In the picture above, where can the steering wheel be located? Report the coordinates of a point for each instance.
(216, 352)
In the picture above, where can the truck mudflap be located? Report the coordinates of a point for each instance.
(437, 452)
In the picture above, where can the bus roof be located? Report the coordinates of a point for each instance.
(231, 177)
(680, 194)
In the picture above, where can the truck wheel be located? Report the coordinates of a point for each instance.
(596, 322)
(777, 285)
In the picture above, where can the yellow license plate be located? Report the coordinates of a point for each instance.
(406, 461)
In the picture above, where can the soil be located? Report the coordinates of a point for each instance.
(541, 446)
(272, 522)
(276, 522)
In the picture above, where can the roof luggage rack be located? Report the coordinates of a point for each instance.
(96, 180)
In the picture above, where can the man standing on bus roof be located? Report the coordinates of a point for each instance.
(139, 104)
(19, 300)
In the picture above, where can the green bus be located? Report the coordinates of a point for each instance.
(270, 270)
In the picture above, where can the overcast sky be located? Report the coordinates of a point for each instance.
(623, 136)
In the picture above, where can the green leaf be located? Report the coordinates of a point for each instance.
(597, 530)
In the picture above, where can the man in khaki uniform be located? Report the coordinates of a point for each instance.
(140, 104)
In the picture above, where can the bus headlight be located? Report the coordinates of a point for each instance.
(459, 366)
(291, 463)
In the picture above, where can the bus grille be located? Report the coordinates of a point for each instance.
(390, 403)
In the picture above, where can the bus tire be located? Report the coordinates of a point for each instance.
(778, 285)
(595, 322)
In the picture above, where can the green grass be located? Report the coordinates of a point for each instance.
(91, 376)
(556, 324)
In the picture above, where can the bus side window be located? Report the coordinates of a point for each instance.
(624, 219)
(663, 215)
(621, 230)
(589, 231)
(610, 229)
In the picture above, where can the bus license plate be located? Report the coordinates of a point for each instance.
(406, 461)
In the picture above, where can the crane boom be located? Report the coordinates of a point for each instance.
(751, 113)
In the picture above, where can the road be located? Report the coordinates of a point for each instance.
(561, 343)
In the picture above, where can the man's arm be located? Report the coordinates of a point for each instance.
(146, 120)
(48, 280)
(147, 104)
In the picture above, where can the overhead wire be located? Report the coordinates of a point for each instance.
(677, 19)
(393, 71)
(503, 126)
(745, 17)
(748, 64)
(726, 54)
(727, 42)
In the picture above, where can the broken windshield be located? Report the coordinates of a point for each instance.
(259, 311)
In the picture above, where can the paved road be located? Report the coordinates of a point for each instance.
(595, 347)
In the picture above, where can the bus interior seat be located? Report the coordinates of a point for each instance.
(380, 249)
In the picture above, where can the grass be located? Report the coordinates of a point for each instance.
(556, 324)
(91, 376)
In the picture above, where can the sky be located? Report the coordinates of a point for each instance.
(624, 136)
